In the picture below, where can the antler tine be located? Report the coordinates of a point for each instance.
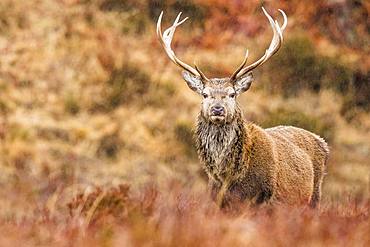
(166, 39)
(275, 45)
(201, 74)
(285, 20)
(233, 77)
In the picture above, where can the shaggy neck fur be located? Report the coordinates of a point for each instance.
(220, 146)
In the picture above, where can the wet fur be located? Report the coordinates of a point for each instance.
(245, 162)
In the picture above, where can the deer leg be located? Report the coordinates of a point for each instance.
(222, 193)
(264, 196)
(214, 188)
(318, 178)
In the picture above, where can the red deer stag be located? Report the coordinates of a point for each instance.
(244, 161)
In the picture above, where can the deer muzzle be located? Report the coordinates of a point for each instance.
(217, 113)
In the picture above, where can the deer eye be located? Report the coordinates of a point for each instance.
(205, 95)
(232, 95)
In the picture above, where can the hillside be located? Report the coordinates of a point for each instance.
(89, 103)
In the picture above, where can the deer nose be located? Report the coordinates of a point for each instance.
(218, 110)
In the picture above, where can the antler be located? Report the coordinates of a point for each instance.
(275, 45)
(166, 39)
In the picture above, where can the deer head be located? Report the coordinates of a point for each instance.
(219, 94)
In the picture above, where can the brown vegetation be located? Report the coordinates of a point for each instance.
(95, 123)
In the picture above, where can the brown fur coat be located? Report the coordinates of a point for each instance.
(245, 162)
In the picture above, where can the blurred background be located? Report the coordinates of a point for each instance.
(88, 96)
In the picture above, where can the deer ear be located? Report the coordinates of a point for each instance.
(243, 83)
(194, 82)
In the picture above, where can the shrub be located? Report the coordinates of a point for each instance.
(4, 108)
(342, 22)
(109, 146)
(159, 94)
(192, 9)
(358, 96)
(4, 98)
(281, 116)
(126, 84)
(298, 66)
(118, 5)
(131, 85)
(184, 134)
(142, 14)
(71, 104)
(336, 76)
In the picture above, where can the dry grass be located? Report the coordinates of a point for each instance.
(95, 124)
(178, 216)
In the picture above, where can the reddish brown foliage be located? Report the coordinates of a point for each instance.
(180, 217)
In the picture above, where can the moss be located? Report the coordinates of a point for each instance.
(281, 116)
(184, 134)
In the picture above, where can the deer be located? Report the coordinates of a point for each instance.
(244, 162)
